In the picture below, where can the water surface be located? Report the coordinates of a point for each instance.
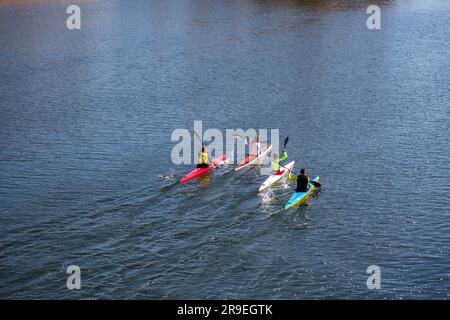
(85, 125)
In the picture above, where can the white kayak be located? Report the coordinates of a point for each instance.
(253, 160)
(277, 177)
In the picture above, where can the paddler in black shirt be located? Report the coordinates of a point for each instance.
(302, 180)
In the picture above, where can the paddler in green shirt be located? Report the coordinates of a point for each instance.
(277, 161)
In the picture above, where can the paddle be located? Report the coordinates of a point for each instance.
(209, 156)
(247, 141)
(198, 137)
(315, 184)
(286, 141)
(284, 146)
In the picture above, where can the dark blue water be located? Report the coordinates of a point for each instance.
(85, 124)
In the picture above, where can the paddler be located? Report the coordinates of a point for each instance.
(302, 180)
(277, 161)
(203, 160)
(256, 147)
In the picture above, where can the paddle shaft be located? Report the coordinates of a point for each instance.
(286, 141)
(209, 156)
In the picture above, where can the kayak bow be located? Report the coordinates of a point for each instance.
(277, 177)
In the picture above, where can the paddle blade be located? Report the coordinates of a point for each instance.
(286, 141)
(316, 184)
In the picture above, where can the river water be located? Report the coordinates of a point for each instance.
(86, 118)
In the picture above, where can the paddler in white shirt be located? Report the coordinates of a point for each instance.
(256, 148)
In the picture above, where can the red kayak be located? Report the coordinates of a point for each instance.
(194, 174)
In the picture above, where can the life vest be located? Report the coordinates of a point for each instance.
(203, 158)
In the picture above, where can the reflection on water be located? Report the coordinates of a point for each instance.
(205, 180)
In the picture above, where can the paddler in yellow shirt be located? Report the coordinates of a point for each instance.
(203, 160)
